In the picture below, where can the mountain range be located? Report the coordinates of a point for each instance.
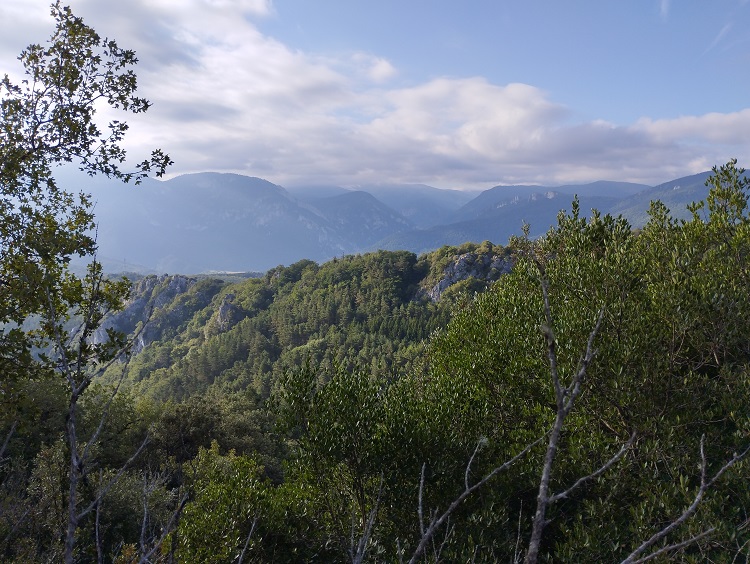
(218, 222)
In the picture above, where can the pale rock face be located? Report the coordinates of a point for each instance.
(228, 314)
(471, 265)
(150, 296)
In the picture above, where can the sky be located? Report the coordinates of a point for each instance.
(463, 95)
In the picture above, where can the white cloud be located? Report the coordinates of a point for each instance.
(376, 69)
(719, 36)
(229, 98)
(731, 129)
(664, 8)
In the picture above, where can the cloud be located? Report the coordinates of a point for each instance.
(719, 36)
(664, 8)
(376, 69)
(229, 98)
(731, 129)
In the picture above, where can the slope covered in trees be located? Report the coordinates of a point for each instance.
(416, 442)
(590, 404)
(372, 310)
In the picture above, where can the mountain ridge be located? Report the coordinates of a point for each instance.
(212, 221)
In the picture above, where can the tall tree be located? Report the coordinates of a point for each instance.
(47, 120)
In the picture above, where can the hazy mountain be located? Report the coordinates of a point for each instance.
(208, 221)
(493, 223)
(590, 195)
(675, 194)
(228, 222)
(424, 206)
(602, 188)
(315, 192)
(500, 212)
(360, 217)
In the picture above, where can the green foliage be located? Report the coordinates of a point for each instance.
(671, 364)
(357, 310)
(369, 422)
(228, 496)
(46, 121)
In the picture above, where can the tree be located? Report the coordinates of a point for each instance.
(45, 121)
(599, 392)
(665, 313)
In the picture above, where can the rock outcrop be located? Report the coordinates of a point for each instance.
(485, 267)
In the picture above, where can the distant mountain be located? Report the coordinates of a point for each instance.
(200, 222)
(595, 194)
(422, 205)
(602, 188)
(360, 217)
(500, 212)
(675, 194)
(228, 222)
(315, 192)
(493, 223)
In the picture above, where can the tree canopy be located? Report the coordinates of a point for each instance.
(590, 404)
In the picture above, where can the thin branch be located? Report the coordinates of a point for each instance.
(575, 388)
(420, 512)
(17, 525)
(564, 407)
(481, 442)
(739, 552)
(517, 550)
(436, 522)
(672, 547)
(116, 389)
(358, 556)
(102, 492)
(144, 522)
(7, 439)
(247, 540)
(551, 342)
(437, 551)
(170, 526)
(633, 557)
(611, 462)
(97, 532)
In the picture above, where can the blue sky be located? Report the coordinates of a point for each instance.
(460, 95)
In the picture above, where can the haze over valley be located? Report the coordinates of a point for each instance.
(207, 222)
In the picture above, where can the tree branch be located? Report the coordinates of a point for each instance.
(436, 522)
(606, 466)
(633, 557)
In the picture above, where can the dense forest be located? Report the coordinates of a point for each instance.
(374, 310)
(582, 396)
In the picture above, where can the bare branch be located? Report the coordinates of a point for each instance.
(7, 439)
(574, 389)
(672, 547)
(168, 528)
(103, 491)
(602, 469)
(436, 522)
(565, 400)
(689, 511)
(102, 420)
(551, 343)
(247, 540)
(358, 556)
(420, 511)
(517, 550)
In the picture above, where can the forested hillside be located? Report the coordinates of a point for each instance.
(373, 310)
(591, 404)
(580, 397)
